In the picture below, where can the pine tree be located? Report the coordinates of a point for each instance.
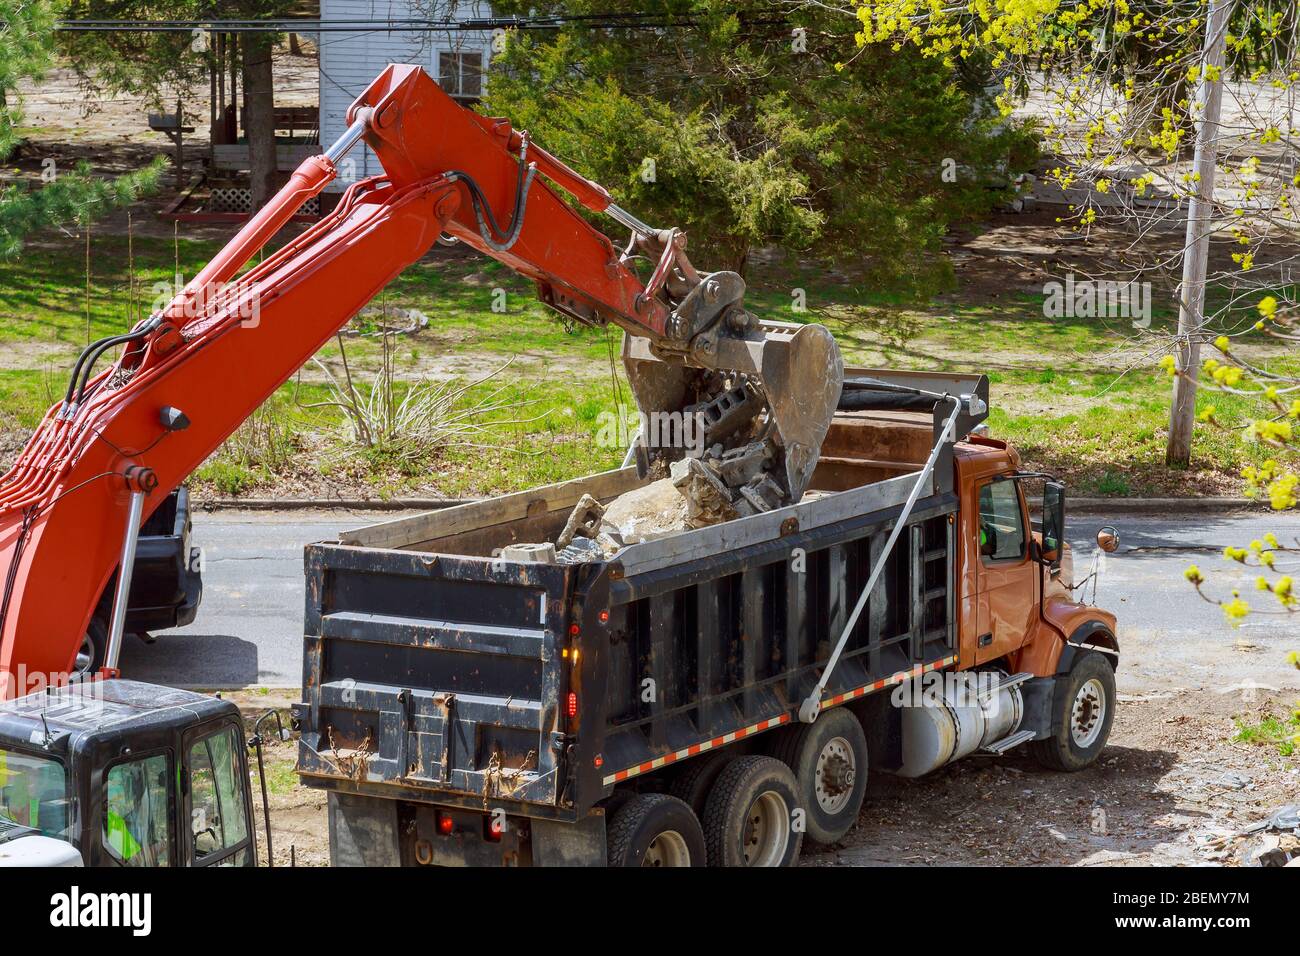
(748, 124)
(77, 197)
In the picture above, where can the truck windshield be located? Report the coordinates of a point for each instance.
(34, 793)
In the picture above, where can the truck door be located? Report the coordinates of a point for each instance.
(1008, 601)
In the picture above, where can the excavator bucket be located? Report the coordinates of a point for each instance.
(758, 413)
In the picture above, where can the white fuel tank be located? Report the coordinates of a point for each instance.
(948, 715)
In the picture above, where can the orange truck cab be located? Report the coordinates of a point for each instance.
(1002, 566)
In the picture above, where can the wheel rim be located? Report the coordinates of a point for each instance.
(767, 831)
(836, 772)
(667, 849)
(84, 660)
(1088, 713)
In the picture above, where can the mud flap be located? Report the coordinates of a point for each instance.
(556, 843)
(1038, 695)
(363, 831)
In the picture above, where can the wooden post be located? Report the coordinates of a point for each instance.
(233, 47)
(181, 178)
(1196, 251)
(221, 90)
(212, 103)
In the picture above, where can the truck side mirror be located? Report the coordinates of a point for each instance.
(1053, 522)
(1108, 539)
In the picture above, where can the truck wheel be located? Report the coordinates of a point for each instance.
(655, 829)
(90, 655)
(829, 760)
(696, 780)
(749, 817)
(1083, 708)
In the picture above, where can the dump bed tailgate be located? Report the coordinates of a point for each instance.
(433, 672)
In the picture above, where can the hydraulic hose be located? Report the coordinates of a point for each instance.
(91, 354)
(488, 228)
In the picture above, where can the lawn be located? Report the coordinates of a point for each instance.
(1078, 397)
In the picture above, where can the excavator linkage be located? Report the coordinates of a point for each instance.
(762, 394)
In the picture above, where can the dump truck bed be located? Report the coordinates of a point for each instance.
(435, 670)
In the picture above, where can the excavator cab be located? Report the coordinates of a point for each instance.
(122, 773)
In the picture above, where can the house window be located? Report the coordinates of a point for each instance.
(461, 74)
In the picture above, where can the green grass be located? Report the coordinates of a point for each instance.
(1280, 732)
(1059, 391)
(280, 775)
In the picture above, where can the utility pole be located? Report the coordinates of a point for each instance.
(1196, 249)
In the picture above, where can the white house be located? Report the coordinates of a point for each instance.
(350, 61)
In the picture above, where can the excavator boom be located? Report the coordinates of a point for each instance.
(190, 374)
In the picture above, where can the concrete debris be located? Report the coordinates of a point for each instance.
(585, 521)
(543, 553)
(708, 500)
(698, 492)
(583, 549)
(652, 511)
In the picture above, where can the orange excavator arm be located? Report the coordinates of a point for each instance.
(189, 375)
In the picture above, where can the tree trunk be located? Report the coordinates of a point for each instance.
(259, 117)
(1200, 223)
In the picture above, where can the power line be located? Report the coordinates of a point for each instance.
(624, 21)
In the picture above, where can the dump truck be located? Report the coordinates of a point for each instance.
(716, 695)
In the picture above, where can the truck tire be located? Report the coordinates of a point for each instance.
(829, 760)
(749, 817)
(696, 780)
(655, 829)
(90, 655)
(1083, 709)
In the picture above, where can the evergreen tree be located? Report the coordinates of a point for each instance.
(26, 40)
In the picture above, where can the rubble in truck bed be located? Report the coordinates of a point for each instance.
(692, 496)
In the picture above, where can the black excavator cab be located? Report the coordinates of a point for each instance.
(124, 774)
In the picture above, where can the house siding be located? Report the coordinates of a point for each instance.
(350, 61)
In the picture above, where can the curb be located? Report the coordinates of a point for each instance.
(1165, 505)
(1089, 505)
(328, 504)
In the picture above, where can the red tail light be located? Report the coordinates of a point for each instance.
(445, 824)
(573, 705)
(492, 832)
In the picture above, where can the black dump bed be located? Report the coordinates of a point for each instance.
(437, 670)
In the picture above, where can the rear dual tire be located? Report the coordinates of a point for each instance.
(829, 761)
(655, 830)
(750, 818)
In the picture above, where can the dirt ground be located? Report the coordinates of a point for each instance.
(1171, 789)
(1168, 787)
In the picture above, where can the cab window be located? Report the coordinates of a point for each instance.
(218, 817)
(34, 793)
(1002, 523)
(137, 812)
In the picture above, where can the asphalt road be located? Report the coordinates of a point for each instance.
(249, 628)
